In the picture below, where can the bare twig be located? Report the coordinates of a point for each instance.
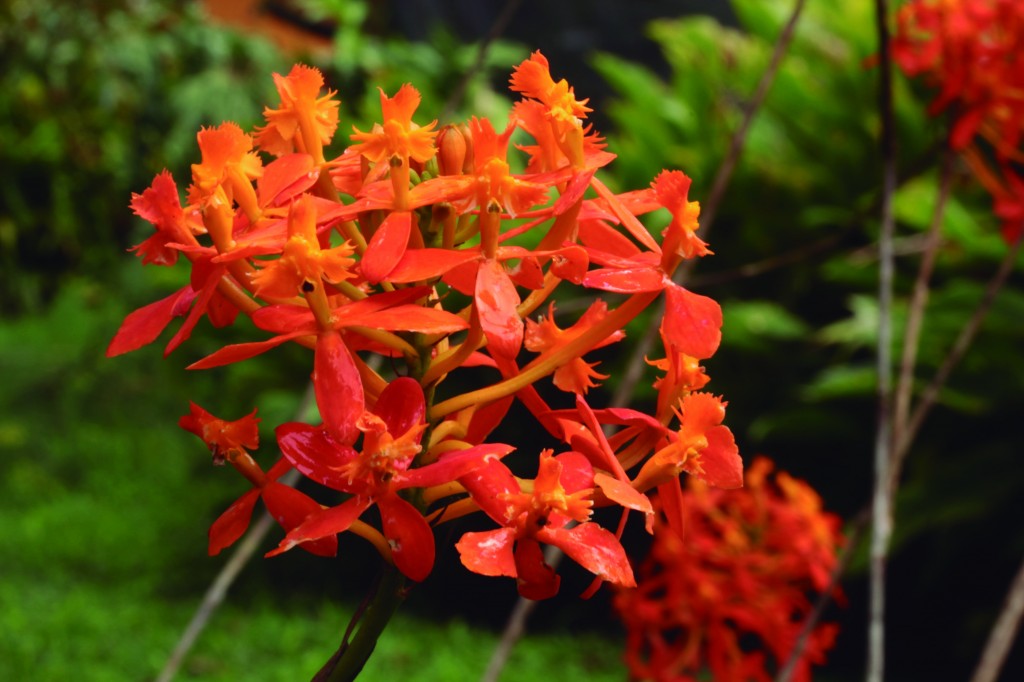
(956, 353)
(515, 627)
(853, 539)
(919, 301)
(497, 28)
(1003, 632)
(739, 138)
(881, 506)
(709, 208)
(218, 589)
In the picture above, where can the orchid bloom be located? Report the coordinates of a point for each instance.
(702, 447)
(305, 121)
(729, 584)
(555, 512)
(230, 442)
(576, 376)
(431, 251)
(377, 474)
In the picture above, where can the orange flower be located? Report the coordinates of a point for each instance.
(303, 263)
(575, 376)
(305, 121)
(228, 441)
(681, 240)
(533, 79)
(399, 136)
(228, 167)
(683, 375)
(702, 447)
(564, 112)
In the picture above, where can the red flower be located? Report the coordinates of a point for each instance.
(702, 447)
(555, 512)
(735, 566)
(230, 442)
(973, 51)
(398, 136)
(377, 473)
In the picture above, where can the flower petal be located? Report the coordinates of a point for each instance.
(496, 300)
(692, 322)
(489, 552)
(535, 579)
(290, 509)
(285, 178)
(338, 387)
(145, 324)
(316, 453)
(401, 405)
(595, 549)
(233, 523)
(237, 352)
(452, 466)
(387, 246)
(625, 280)
(410, 537)
(622, 493)
(323, 524)
(720, 460)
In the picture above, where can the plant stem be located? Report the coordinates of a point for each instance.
(348, 661)
(919, 301)
(956, 353)
(881, 504)
(1003, 633)
(857, 527)
(547, 363)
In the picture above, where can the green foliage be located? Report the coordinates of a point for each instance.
(95, 98)
(361, 62)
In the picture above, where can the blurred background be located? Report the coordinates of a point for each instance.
(105, 503)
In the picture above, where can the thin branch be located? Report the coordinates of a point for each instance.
(739, 138)
(919, 301)
(931, 393)
(497, 28)
(858, 525)
(881, 506)
(1008, 622)
(515, 627)
(1003, 632)
(709, 208)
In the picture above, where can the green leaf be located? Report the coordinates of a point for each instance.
(749, 324)
(860, 329)
(842, 381)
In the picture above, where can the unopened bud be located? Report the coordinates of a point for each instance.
(452, 147)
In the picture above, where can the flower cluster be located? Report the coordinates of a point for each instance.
(423, 246)
(727, 581)
(973, 52)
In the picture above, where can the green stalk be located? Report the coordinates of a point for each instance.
(346, 664)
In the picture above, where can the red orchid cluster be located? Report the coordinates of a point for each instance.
(973, 51)
(727, 581)
(425, 247)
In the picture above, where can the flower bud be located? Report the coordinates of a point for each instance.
(452, 148)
